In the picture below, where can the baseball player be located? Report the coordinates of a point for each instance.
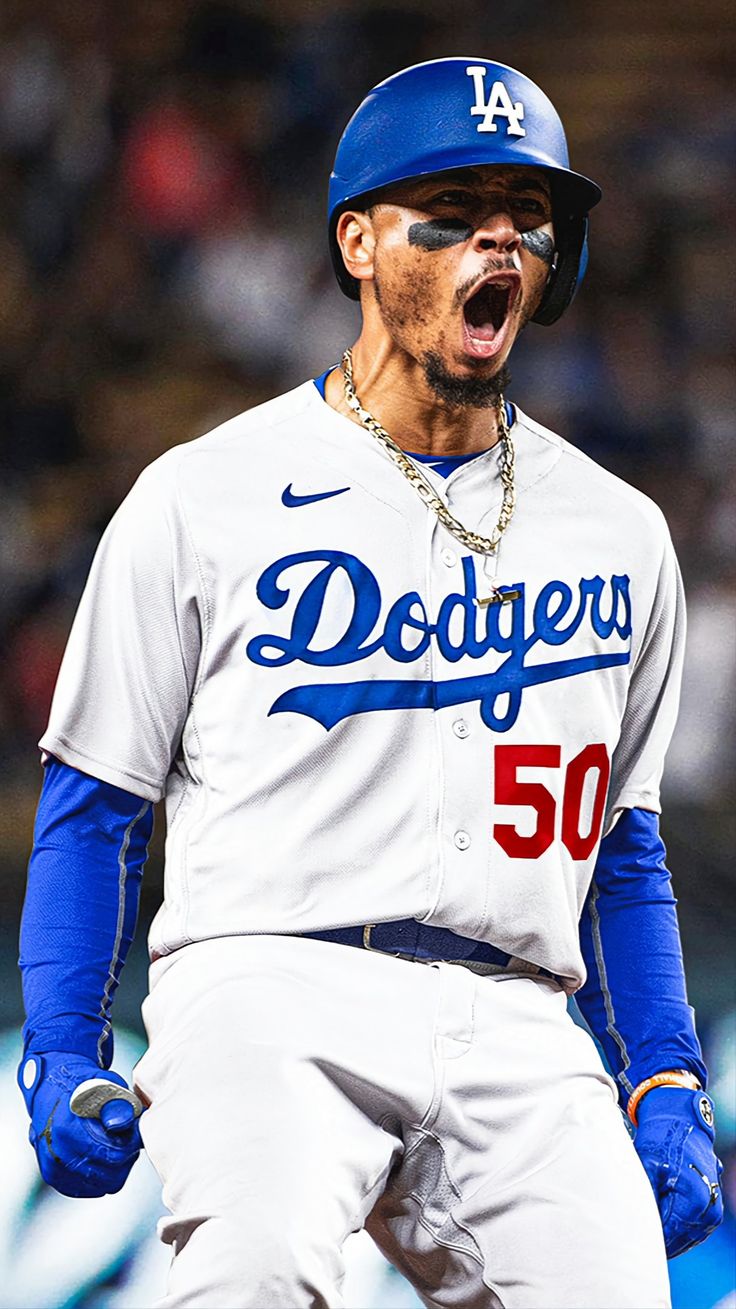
(404, 666)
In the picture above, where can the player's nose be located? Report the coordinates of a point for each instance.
(497, 231)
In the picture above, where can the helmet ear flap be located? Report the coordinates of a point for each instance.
(568, 270)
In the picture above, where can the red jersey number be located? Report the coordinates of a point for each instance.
(511, 789)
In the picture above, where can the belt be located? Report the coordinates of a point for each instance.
(420, 943)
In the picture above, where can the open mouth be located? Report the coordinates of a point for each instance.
(486, 315)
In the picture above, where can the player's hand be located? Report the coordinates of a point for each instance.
(675, 1142)
(85, 1144)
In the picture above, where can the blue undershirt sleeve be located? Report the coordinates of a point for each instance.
(80, 911)
(634, 999)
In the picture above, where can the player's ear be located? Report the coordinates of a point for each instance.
(357, 241)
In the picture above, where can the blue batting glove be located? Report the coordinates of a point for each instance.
(87, 1152)
(675, 1141)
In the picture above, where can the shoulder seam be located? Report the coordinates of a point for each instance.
(618, 485)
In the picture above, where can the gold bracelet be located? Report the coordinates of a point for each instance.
(673, 1077)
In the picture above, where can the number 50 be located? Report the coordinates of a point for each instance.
(509, 789)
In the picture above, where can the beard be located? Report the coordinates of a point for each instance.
(401, 309)
(464, 392)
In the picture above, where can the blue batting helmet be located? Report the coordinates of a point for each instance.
(455, 113)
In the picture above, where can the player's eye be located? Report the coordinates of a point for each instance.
(452, 198)
(528, 205)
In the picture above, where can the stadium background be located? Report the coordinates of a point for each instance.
(163, 265)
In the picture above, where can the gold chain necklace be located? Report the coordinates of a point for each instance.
(485, 545)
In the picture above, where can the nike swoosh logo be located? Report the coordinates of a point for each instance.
(293, 501)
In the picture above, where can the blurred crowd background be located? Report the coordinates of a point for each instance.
(163, 265)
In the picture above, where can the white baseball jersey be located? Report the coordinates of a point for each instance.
(282, 640)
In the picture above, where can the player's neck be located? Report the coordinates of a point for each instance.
(395, 391)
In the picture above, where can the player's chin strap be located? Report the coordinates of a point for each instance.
(672, 1077)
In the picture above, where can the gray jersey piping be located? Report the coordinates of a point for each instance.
(122, 883)
(605, 991)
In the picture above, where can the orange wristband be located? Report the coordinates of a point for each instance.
(673, 1077)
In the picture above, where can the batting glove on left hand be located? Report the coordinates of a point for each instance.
(87, 1151)
(675, 1142)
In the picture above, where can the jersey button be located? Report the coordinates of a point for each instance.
(460, 728)
(462, 840)
(449, 558)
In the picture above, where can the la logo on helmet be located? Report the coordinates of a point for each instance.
(499, 103)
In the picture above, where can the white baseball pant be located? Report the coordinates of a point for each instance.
(301, 1090)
